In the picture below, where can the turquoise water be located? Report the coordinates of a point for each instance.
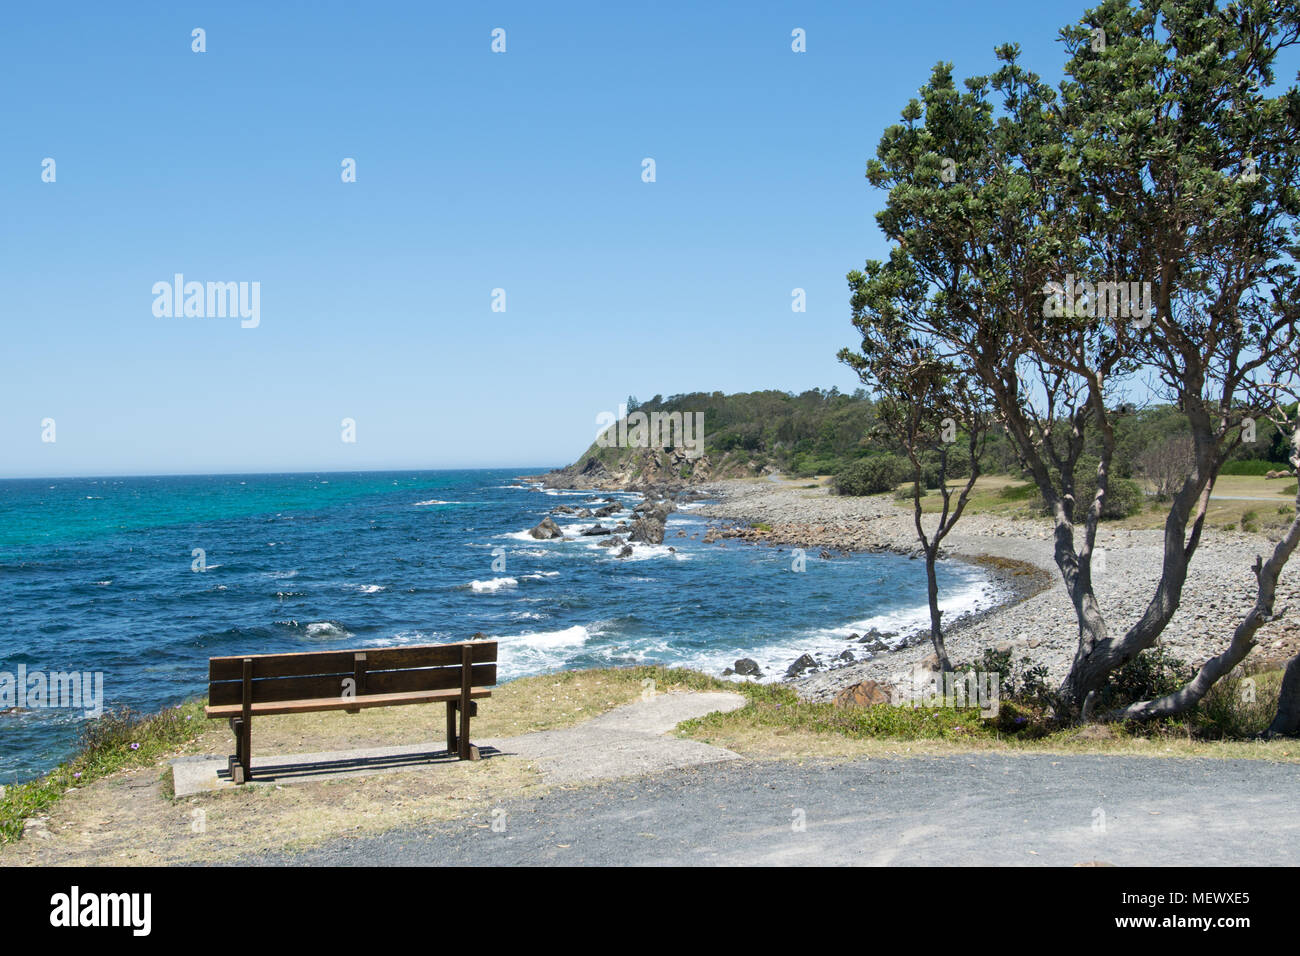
(97, 575)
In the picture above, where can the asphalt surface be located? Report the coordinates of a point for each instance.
(977, 809)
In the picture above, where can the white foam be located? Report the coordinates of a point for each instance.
(495, 584)
(327, 630)
(534, 652)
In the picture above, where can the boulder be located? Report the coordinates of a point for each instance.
(546, 530)
(802, 664)
(596, 530)
(868, 693)
(646, 530)
(614, 541)
(748, 667)
(626, 552)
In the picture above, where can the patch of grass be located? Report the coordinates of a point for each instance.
(773, 706)
(1225, 724)
(1018, 492)
(117, 740)
(552, 701)
(762, 526)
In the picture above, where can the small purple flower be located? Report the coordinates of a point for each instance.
(135, 746)
(76, 776)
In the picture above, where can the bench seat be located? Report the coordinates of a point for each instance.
(305, 682)
(336, 703)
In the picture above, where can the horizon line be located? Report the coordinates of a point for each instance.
(263, 474)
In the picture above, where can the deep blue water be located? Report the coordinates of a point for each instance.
(97, 575)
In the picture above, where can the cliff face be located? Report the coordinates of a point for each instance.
(644, 469)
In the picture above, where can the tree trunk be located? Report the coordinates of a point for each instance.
(1287, 721)
(932, 586)
(1243, 638)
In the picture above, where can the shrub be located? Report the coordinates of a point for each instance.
(1153, 673)
(1018, 492)
(1123, 496)
(872, 476)
(1250, 466)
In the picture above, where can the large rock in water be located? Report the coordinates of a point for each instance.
(866, 694)
(547, 529)
(748, 667)
(650, 521)
(647, 530)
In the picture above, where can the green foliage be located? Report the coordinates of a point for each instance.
(872, 476)
(117, 739)
(1018, 492)
(1026, 683)
(1123, 496)
(1153, 673)
(776, 706)
(1249, 466)
(1237, 706)
(815, 432)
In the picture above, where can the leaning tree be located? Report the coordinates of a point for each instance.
(1140, 220)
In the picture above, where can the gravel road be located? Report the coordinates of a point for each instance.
(907, 811)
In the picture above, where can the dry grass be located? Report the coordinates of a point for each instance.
(130, 817)
(784, 743)
(1223, 512)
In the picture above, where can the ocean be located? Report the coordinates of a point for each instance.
(142, 579)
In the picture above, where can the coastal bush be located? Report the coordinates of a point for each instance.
(872, 476)
(1238, 706)
(1018, 492)
(1256, 467)
(1124, 496)
(1026, 683)
(1151, 674)
(117, 739)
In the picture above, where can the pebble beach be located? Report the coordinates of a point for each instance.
(1036, 619)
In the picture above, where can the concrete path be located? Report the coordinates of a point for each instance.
(625, 741)
(922, 811)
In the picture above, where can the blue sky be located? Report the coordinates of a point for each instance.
(475, 171)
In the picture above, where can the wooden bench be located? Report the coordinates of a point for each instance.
(253, 685)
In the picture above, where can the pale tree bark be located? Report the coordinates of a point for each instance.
(1243, 638)
(1287, 721)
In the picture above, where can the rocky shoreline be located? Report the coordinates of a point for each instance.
(1035, 618)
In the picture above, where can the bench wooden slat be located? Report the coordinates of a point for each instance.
(319, 687)
(307, 663)
(272, 708)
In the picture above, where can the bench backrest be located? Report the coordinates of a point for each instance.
(377, 670)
